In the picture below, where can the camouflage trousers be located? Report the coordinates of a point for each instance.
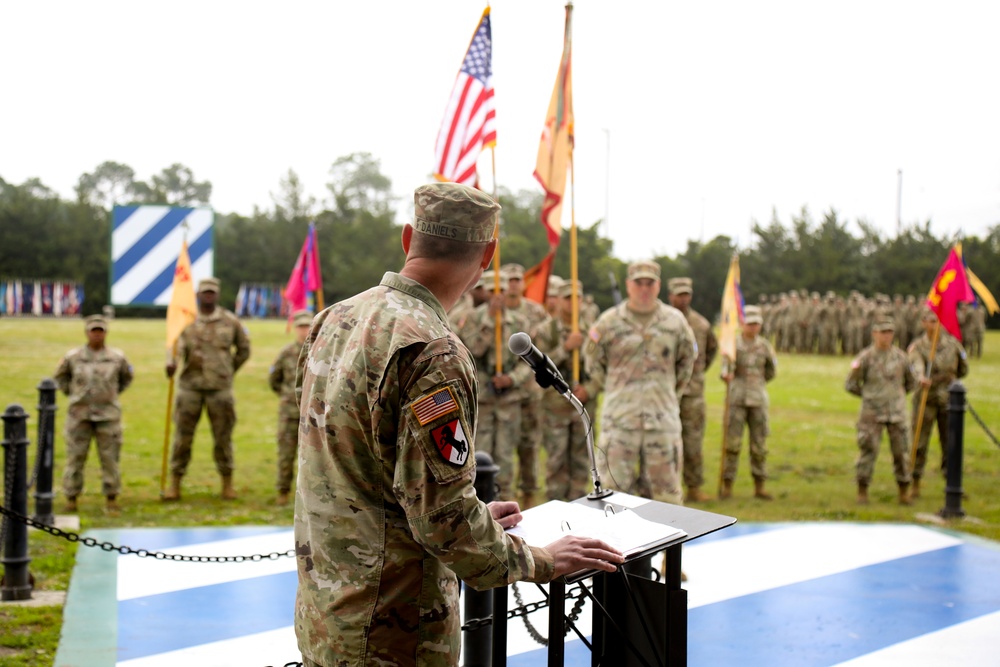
(828, 340)
(934, 412)
(643, 463)
(869, 441)
(497, 434)
(288, 447)
(693, 435)
(221, 409)
(79, 433)
(527, 446)
(567, 475)
(756, 419)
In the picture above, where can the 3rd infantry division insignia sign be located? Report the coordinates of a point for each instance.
(451, 442)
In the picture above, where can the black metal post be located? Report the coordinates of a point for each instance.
(956, 427)
(477, 644)
(16, 578)
(46, 452)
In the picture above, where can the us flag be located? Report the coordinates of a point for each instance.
(469, 124)
(431, 407)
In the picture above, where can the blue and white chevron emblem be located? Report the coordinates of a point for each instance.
(145, 243)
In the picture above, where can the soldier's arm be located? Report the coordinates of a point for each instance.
(917, 362)
(276, 376)
(684, 357)
(64, 375)
(242, 342)
(963, 362)
(856, 378)
(595, 353)
(770, 364)
(478, 332)
(711, 347)
(910, 381)
(437, 493)
(125, 374)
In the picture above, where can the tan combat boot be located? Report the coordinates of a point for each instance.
(174, 492)
(759, 492)
(71, 505)
(915, 488)
(904, 494)
(727, 489)
(112, 507)
(862, 494)
(695, 495)
(228, 492)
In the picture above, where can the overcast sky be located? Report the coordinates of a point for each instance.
(692, 119)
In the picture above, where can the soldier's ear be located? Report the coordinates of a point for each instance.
(407, 237)
(488, 253)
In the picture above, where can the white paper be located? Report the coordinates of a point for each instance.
(625, 530)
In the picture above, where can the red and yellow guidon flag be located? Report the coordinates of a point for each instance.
(949, 289)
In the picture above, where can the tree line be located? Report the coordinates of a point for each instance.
(45, 237)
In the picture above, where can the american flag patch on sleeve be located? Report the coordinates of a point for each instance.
(429, 408)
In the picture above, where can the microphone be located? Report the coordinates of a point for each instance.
(546, 373)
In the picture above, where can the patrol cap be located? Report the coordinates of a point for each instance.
(884, 324)
(302, 318)
(95, 322)
(928, 315)
(555, 282)
(489, 278)
(208, 285)
(680, 286)
(454, 211)
(751, 315)
(644, 269)
(513, 271)
(566, 289)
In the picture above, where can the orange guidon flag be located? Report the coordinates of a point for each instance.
(556, 147)
(950, 287)
(183, 308)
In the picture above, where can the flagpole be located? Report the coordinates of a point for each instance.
(319, 292)
(725, 425)
(166, 429)
(498, 317)
(574, 270)
(923, 398)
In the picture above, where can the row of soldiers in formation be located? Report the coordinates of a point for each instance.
(209, 352)
(804, 322)
(516, 416)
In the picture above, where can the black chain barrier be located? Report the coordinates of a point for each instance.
(982, 424)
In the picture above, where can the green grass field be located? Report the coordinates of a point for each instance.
(812, 451)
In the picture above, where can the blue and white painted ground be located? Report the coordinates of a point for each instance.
(803, 594)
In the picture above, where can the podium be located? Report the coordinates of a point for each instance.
(638, 621)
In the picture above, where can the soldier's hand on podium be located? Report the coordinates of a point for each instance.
(573, 553)
(505, 512)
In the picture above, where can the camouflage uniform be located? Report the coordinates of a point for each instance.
(949, 364)
(882, 378)
(93, 379)
(568, 464)
(499, 413)
(209, 362)
(692, 406)
(386, 514)
(282, 381)
(754, 367)
(642, 362)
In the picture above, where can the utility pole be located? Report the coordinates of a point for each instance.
(899, 203)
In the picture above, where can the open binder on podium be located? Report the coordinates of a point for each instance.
(622, 528)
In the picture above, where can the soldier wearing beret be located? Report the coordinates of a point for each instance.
(93, 376)
(949, 365)
(386, 514)
(641, 353)
(282, 382)
(881, 375)
(755, 365)
(693, 398)
(211, 349)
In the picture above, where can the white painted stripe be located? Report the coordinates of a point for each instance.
(275, 647)
(139, 577)
(161, 256)
(730, 568)
(970, 643)
(134, 228)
